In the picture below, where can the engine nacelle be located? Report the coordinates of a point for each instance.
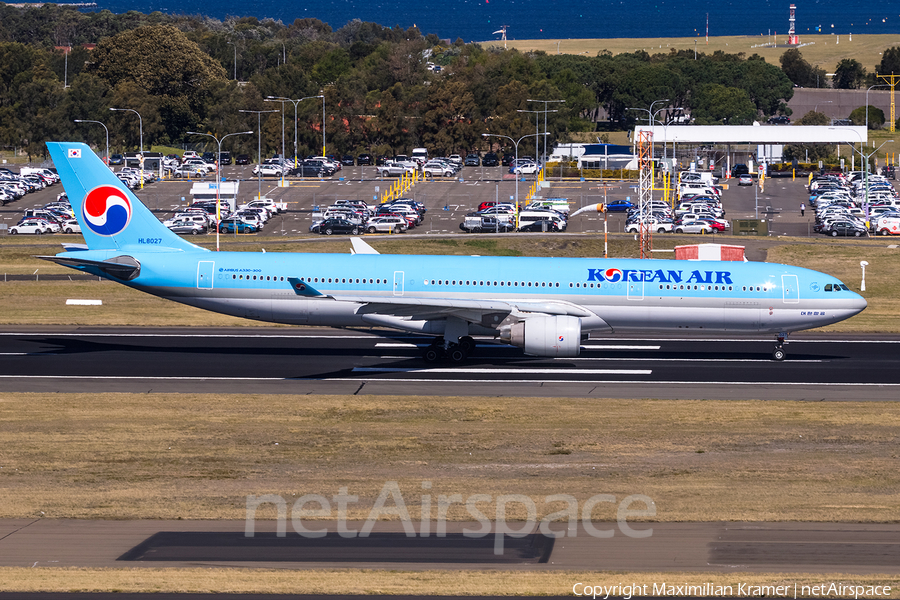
(558, 336)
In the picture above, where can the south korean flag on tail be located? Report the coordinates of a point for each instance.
(74, 152)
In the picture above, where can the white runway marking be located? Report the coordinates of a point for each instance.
(614, 347)
(464, 370)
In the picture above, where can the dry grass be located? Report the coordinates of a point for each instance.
(199, 456)
(420, 583)
(823, 50)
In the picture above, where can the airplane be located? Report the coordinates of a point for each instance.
(546, 306)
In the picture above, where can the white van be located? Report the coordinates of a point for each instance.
(560, 205)
(530, 216)
(887, 226)
(420, 155)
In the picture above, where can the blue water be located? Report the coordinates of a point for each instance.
(476, 20)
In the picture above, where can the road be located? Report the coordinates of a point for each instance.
(310, 360)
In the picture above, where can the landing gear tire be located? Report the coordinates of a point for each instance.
(779, 354)
(456, 354)
(467, 344)
(432, 354)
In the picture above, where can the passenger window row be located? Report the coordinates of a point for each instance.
(486, 283)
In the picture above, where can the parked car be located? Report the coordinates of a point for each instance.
(336, 225)
(187, 226)
(508, 159)
(71, 226)
(364, 159)
(472, 160)
(229, 225)
(846, 228)
(541, 225)
(524, 168)
(779, 120)
(745, 179)
(695, 227)
(225, 158)
(347, 160)
(387, 224)
(242, 159)
(117, 159)
(436, 168)
(490, 160)
(619, 206)
(33, 225)
(267, 170)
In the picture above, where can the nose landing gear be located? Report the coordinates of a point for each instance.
(779, 352)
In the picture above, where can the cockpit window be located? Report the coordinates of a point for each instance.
(845, 288)
(827, 287)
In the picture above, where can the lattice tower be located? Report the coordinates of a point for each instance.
(892, 80)
(645, 191)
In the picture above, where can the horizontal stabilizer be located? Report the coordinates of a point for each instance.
(120, 267)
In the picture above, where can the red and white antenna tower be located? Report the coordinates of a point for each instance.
(793, 38)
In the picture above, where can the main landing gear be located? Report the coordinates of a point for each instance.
(456, 353)
(779, 353)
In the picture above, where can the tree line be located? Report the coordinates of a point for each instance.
(381, 92)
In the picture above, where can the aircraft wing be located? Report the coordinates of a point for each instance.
(476, 311)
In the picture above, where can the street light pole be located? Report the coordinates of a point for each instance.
(516, 144)
(546, 102)
(271, 99)
(322, 96)
(867, 102)
(107, 135)
(259, 114)
(141, 150)
(295, 103)
(219, 175)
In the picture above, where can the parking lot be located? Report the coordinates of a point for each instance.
(448, 200)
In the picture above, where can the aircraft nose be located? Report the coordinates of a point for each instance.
(857, 304)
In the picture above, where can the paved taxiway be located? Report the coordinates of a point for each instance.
(310, 360)
(671, 547)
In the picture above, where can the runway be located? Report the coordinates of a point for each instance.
(854, 548)
(309, 360)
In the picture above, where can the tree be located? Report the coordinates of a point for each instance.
(800, 72)
(875, 118)
(168, 67)
(813, 118)
(890, 61)
(848, 75)
(714, 104)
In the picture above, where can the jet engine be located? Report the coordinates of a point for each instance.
(557, 336)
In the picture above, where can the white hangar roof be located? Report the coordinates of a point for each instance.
(755, 134)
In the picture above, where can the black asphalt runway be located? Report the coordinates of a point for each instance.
(310, 360)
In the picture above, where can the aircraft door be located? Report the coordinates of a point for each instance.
(790, 288)
(398, 283)
(635, 286)
(205, 274)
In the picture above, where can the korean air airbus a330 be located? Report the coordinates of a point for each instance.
(546, 306)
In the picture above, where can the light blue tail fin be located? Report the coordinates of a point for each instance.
(110, 215)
